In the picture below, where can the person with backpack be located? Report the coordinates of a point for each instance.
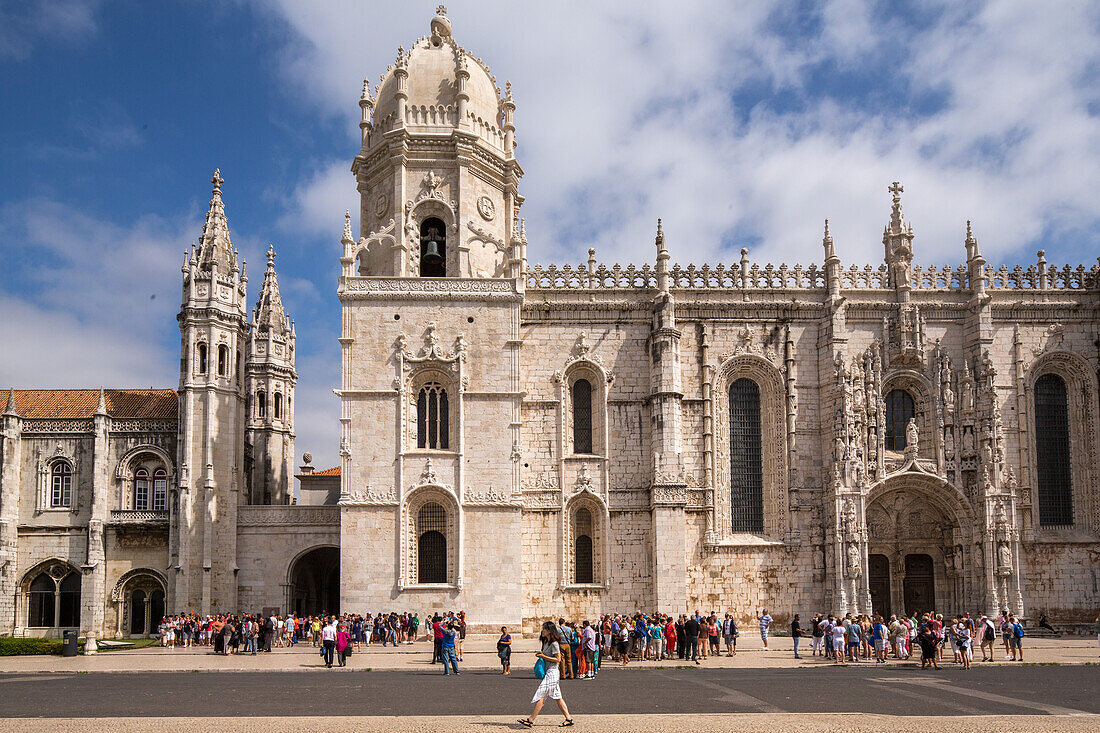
(1017, 638)
(987, 637)
(550, 686)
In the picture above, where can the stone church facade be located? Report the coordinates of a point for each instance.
(524, 441)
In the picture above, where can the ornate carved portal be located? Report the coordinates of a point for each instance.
(921, 545)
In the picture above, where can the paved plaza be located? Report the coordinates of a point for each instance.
(398, 689)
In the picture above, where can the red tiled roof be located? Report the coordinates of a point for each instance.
(327, 472)
(78, 404)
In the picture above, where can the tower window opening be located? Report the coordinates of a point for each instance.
(261, 404)
(433, 248)
(432, 417)
(202, 358)
(278, 405)
(223, 360)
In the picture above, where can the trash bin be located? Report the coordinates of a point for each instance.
(68, 647)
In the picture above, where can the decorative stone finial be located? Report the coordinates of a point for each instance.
(508, 91)
(271, 256)
(441, 25)
(307, 458)
(347, 225)
(366, 90)
(216, 179)
(10, 409)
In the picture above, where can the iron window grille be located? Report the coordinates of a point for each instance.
(582, 416)
(431, 524)
(1055, 490)
(432, 417)
(746, 458)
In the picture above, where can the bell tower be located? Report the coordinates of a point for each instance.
(203, 508)
(269, 386)
(437, 174)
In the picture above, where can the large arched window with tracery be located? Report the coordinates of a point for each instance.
(53, 597)
(431, 544)
(900, 409)
(746, 457)
(432, 417)
(1055, 489)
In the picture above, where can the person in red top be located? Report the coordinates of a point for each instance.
(670, 637)
(437, 638)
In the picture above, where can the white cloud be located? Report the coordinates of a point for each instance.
(22, 25)
(626, 113)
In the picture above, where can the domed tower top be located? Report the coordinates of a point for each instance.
(437, 175)
(439, 84)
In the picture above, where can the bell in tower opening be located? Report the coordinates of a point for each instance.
(433, 248)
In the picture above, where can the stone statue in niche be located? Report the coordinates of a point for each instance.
(949, 442)
(948, 397)
(968, 440)
(1004, 556)
(851, 524)
(855, 568)
(911, 434)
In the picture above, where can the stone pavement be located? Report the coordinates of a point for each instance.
(481, 654)
(747, 723)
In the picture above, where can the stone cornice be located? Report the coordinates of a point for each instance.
(401, 288)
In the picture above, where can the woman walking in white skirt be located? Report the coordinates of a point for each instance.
(549, 687)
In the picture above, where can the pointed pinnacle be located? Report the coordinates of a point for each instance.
(827, 234)
(347, 224)
(10, 409)
(101, 408)
(271, 256)
(216, 179)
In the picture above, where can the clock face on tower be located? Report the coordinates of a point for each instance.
(485, 208)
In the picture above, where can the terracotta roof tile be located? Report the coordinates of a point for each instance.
(335, 471)
(80, 404)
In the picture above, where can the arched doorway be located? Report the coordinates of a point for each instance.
(315, 582)
(137, 613)
(921, 553)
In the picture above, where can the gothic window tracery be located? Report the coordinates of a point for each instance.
(432, 417)
(746, 459)
(52, 596)
(1055, 488)
(582, 550)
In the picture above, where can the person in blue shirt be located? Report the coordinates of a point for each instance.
(878, 636)
(448, 647)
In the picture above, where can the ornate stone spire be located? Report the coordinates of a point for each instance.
(662, 259)
(10, 409)
(101, 408)
(269, 314)
(897, 242)
(827, 242)
(896, 220)
(346, 239)
(215, 246)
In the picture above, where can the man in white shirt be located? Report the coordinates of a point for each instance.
(765, 624)
(328, 640)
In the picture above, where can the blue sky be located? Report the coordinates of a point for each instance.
(741, 124)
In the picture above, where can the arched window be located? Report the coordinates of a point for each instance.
(899, 411)
(278, 405)
(582, 416)
(432, 417)
(160, 490)
(61, 485)
(41, 601)
(431, 544)
(223, 360)
(1055, 488)
(68, 612)
(433, 248)
(746, 461)
(202, 358)
(261, 404)
(582, 547)
(141, 490)
(237, 367)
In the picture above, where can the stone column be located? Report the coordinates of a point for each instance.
(10, 462)
(93, 588)
(669, 490)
